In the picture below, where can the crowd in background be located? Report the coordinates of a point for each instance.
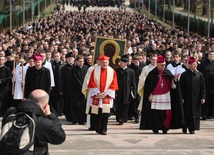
(55, 36)
(99, 3)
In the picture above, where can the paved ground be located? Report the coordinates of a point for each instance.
(179, 10)
(128, 139)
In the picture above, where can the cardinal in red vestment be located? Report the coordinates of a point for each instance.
(102, 86)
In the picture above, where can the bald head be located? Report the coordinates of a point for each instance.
(39, 96)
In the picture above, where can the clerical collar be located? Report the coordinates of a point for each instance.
(137, 64)
(124, 68)
(160, 72)
(56, 61)
(151, 65)
(38, 69)
(175, 64)
(193, 71)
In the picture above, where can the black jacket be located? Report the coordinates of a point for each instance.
(37, 79)
(149, 117)
(48, 128)
(207, 69)
(127, 84)
(57, 71)
(5, 77)
(193, 90)
(137, 70)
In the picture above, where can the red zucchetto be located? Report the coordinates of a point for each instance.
(191, 59)
(103, 57)
(37, 57)
(161, 59)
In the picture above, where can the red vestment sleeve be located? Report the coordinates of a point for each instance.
(114, 84)
(91, 83)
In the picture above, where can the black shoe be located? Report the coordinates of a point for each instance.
(91, 129)
(130, 118)
(184, 130)
(164, 131)
(204, 117)
(136, 121)
(192, 132)
(103, 133)
(120, 123)
(155, 131)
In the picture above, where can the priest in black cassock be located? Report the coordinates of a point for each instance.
(158, 112)
(65, 85)
(137, 66)
(193, 95)
(127, 90)
(78, 103)
(56, 100)
(37, 77)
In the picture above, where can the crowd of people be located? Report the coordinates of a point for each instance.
(55, 54)
(99, 3)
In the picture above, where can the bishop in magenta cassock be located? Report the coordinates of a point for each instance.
(158, 112)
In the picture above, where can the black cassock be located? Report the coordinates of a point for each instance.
(65, 88)
(193, 90)
(78, 103)
(151, 118)
(37, 79)
(135, 102)
(56, 100)
(127, 85)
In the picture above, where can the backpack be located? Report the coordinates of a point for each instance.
(18, 132)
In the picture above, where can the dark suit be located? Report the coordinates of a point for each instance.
(55, 97)
(207, 69)
(5, 78)
(135, 102)
(37, 79)
(127, 85)
(65, 88)
(78, 103)
(193, 90)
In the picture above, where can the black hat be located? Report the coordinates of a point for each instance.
(70, 54)
(8, 53)
(124, 58)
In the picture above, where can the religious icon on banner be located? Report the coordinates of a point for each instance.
(113, 48)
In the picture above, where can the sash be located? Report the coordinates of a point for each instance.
(105, 105)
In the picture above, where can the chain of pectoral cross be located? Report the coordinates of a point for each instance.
(162, 84)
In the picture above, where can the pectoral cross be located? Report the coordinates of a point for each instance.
(162, 84)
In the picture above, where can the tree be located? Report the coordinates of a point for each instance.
(180, 2)
(169, 4)
(212, 11)
(204, 7)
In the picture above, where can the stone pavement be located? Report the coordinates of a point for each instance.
(128, 139)
(70, 8)
(179, 10)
